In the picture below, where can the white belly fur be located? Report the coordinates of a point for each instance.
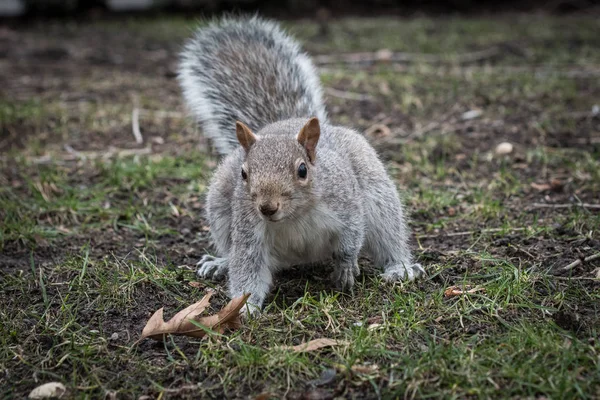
(309, 239)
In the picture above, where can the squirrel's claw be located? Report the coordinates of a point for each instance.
(343, 277)
(399, 272)
(210, 267)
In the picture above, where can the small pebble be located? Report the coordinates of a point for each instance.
(471, 114)
(50, 390)
(114, 336)
(504, 148)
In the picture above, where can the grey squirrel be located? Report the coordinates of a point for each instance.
(292, 189)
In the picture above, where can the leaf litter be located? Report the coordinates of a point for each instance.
(313, 345)
(453, 291)
(188, 321)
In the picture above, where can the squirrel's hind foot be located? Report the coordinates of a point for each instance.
(210, 267)
(399, 272)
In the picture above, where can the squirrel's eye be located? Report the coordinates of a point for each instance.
(244, 174)
(302, 171)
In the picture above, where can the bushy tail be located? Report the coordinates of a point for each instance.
(250, 70)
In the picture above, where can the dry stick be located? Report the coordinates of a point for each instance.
(135, 126)
(584, 205)
(162, 113)
(348, 95)
(580, 261)
(396, 57)
(467, 233)
(576, 278)
(75, 155)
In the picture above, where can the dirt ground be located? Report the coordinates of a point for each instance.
(98, 231)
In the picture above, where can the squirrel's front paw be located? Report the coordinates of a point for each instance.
(250, 309)
(253, 307)
(210, 267)
(399, 272)
(343, 276)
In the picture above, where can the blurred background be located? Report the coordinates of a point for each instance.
(486, 113)
(288, 8)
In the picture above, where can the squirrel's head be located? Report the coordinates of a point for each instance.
(278, 170)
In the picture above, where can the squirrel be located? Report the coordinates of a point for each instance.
(291, 189)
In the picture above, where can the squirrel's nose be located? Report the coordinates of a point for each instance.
(268, 209)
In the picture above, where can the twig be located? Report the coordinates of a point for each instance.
(348, 95)
(135, 126)
(467, 233)
(397, 57)
(580, 261)
(576, 278)
(162, 113)
(584, 205)
(74, 155)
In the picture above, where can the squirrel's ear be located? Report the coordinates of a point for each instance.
(244, 135)
(309, 137)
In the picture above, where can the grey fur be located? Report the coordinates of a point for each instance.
(345, 205)
(249, 70)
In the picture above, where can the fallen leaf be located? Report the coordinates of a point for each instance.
(384, 88)
(375, 320)
(48, 390)
(384, 55)
(313, 345)
(195, 284)
(373, 327)
(540, 187)
(365, 369)
(557, 185)
(378, 131)
(457, 291)
(228, 317)
(188, 323)
(317, 394)
(180, 324)
(471, 114)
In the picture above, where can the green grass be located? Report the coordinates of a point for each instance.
(91, 247)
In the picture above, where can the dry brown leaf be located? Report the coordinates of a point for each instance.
(195, 284)
(228, 317)
(180, 324)
(457, 291)
(540, 187)
(378, 131)
(557, 185)
(373, 327)
(365, 369)
(313, 345)
(375, 320)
